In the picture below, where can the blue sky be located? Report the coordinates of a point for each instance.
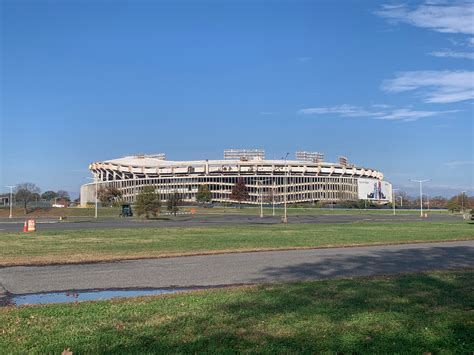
(389, 85)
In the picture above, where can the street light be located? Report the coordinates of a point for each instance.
(285, 216)
(462, 200)
(260, 182)
(421, 193)
(273, 198)
(394, 200)
(11, 200)
(96, 192)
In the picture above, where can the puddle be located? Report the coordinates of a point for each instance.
(78, 296)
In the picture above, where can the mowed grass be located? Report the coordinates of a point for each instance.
(417, 313)
(115, 244)
(52, 212)
(308, 211)
(114, 212)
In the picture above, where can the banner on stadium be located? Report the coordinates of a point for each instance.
(373, 189)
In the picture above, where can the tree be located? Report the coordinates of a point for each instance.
(458, 203)
(63, 195)
(26, 192)
(239, 192)
(108, 195)
(49, 195)
(203, 194)
(148, 202)
(438, 202)
(406, 200)
(173, 202)
(453, 204)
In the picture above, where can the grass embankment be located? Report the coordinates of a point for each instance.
(109, 244)
(418, 313)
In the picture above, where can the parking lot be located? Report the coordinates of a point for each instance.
(16, 224)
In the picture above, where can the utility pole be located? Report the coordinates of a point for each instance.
(421, 194)
(462, 201)
(11, 200)
(260, 182)
(285, 217)
(273, 198)
(394, 200)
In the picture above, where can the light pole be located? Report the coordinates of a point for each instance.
(11, 200)
(273, 198)
(421, 194)
(260, 182)
(462, 201)
(394, 200)
(96, 193)
(285, 216)
(401, 201)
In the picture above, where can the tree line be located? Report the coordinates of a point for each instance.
(27, 192)
(148, 201)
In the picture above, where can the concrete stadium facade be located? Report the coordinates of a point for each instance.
(302, 181)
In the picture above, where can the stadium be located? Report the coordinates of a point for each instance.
(305, 179)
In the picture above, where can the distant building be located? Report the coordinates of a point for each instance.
(307, 179)
(4, 199)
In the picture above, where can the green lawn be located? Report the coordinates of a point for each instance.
(417, 313)
(60, 212)
(303, 211)
(110, 244)
(113, 212)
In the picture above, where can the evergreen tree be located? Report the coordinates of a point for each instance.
(148, 202)
(203, 194)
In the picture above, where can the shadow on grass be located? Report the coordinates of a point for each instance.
(411, 313)
(376, 263)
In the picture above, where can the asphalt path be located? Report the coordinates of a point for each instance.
(16, 225)
(239, 268)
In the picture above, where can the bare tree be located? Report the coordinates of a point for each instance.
(26, 192)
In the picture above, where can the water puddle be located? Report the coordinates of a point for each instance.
(78, 296)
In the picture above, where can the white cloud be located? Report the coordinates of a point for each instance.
(453, 54)
(441, 17)
(459, 163)
(342, 110)
(381, 106)
(435, 86)
(403, 114)
(304, 59)
(408, 115)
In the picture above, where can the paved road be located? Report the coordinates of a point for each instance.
(206, 220)
(243, 268)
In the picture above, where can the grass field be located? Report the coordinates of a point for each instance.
(60, 212)
(109, 244)
(301, 211)
(417, 313)
(113, 212)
